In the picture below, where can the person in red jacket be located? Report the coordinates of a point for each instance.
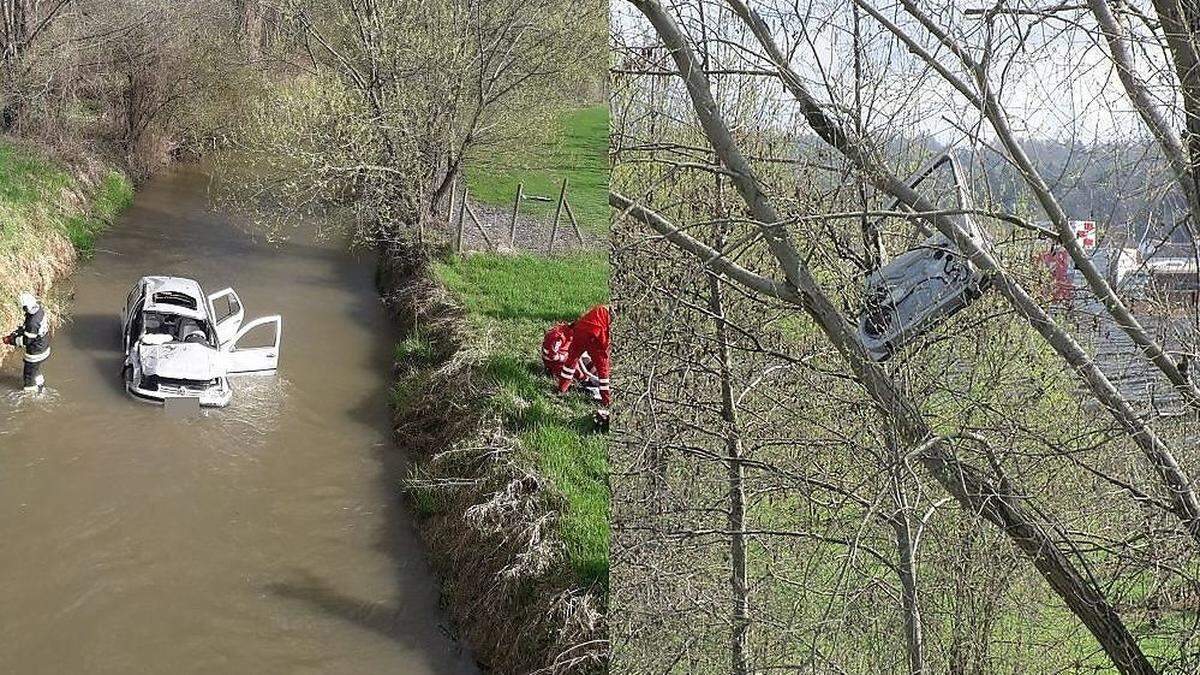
(589, 334)
(555, 346)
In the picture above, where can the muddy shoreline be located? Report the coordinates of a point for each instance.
(487, 524)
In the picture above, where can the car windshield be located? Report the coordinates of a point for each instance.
(175, 298)
(179, 328)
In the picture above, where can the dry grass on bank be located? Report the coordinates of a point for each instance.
(515, 544)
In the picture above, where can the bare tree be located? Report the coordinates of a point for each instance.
(22, 23)
(781, 255)
(390, 102)
(738, 580)
(134, 79)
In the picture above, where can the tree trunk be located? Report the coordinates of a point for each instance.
(740, 623)
(252, 29)
(906, 569)
(15, 16)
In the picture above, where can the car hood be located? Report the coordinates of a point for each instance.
(182, 361)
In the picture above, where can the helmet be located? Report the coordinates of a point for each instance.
(27, 301)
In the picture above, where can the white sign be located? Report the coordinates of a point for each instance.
(1085, 233)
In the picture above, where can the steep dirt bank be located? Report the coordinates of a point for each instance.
(50, 213)
(489, 524)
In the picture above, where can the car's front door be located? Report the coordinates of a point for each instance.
(227, 314)
(244, 354)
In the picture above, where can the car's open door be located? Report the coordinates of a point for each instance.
(133, 305)
(256, 353)
(227, 314)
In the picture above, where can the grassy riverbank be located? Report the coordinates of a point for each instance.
(510, 301)
(50, 214)
(510, 479)
(38, 194)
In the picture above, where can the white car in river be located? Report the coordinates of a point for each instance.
(179, 346)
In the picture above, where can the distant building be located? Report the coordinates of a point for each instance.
(1062, 287)
(1170, 271)
(1172, 278)
(1118, 265)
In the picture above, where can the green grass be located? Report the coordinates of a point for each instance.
(577, 150)
(114, 194)
(33, 212)
(26, 182)
(416, 347)
(30, 193)
(528, 288)
(513, 300)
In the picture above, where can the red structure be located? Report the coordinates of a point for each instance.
(1059, 264)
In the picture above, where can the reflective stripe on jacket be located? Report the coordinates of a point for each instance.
(34, 336)
(590, 336)
(555, 345)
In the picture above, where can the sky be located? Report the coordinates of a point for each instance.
(1054, 78)
(1057, 81)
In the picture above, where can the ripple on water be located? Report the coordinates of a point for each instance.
(238, 430)
(19, 400)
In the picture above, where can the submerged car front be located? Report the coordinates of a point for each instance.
(164, 368)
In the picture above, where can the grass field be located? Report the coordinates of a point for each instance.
(512, 300)
(577, 149)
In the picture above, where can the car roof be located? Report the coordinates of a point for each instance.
(158, 285)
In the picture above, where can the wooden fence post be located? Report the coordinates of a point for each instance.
(562, 196)
(512, 223)
(574, 222)
(458, 234)
(479, 226)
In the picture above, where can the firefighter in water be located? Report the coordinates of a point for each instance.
(589, 335)
(34, 335)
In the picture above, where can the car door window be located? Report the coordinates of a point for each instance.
(132, 297)
(227, 313)
(134, 330)
(226, 306)
(256, 346)
(131, 301)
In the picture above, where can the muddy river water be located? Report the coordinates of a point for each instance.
(266, 537)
